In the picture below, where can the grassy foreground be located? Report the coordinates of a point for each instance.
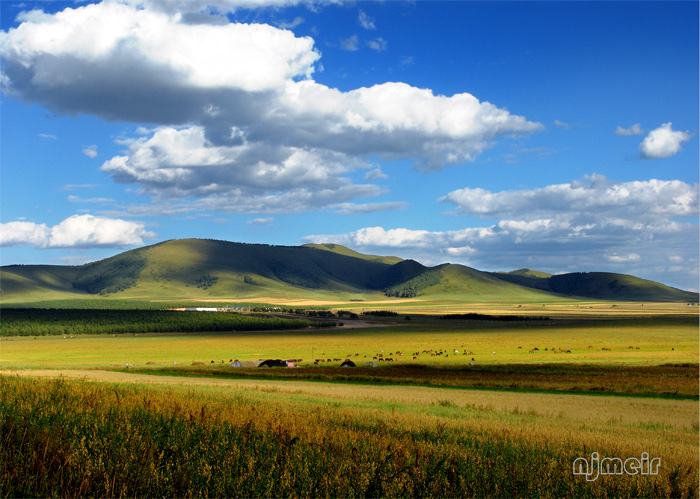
(82, 439)
(511, 425)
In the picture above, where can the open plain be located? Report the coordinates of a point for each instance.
(455, 407)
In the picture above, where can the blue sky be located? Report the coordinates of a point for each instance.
(557, 136)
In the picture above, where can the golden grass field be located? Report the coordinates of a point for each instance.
(653, 340)
(334, 436)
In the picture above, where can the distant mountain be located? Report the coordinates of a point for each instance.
(598, 285)
(198, 269)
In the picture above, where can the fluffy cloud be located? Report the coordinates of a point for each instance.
(122, 63)
(256, 117)
(550, 245)
(20, 233)
(395, 121)
(663, 142)
(179, 163)
(589, 224)
(594, 195)
(82, 231)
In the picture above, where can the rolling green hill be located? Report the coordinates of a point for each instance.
(598, 285)
(38, 282)
(199, 269)
(342, 250)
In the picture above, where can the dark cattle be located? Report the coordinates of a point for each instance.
(273, 363)
(348, 363)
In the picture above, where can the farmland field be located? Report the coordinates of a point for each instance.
(540, 392)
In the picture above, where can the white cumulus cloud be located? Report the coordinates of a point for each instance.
(149, 59)
(81, 231)
(595, 195)
(253, 101)
(663, 142)
(592, 224)
(177, 163)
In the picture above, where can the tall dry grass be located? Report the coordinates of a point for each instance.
(77, 439)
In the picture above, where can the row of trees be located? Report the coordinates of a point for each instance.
(414, 286)
(35, 322)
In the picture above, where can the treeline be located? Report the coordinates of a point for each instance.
(111, 275)
(413, 287)
(296, 276)
(104, 303)
(485, 317)
(36, 322)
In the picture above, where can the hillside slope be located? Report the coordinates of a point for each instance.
(199, 269)
(39, 282)
(599, 285)
(207, 268)
(342, 250)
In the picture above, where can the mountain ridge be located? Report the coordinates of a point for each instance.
(200, 269)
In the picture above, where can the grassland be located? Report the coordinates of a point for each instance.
(510, 425)
(654, 341)
(266, 440)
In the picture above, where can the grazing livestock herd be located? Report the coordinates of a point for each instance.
(372, 358)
